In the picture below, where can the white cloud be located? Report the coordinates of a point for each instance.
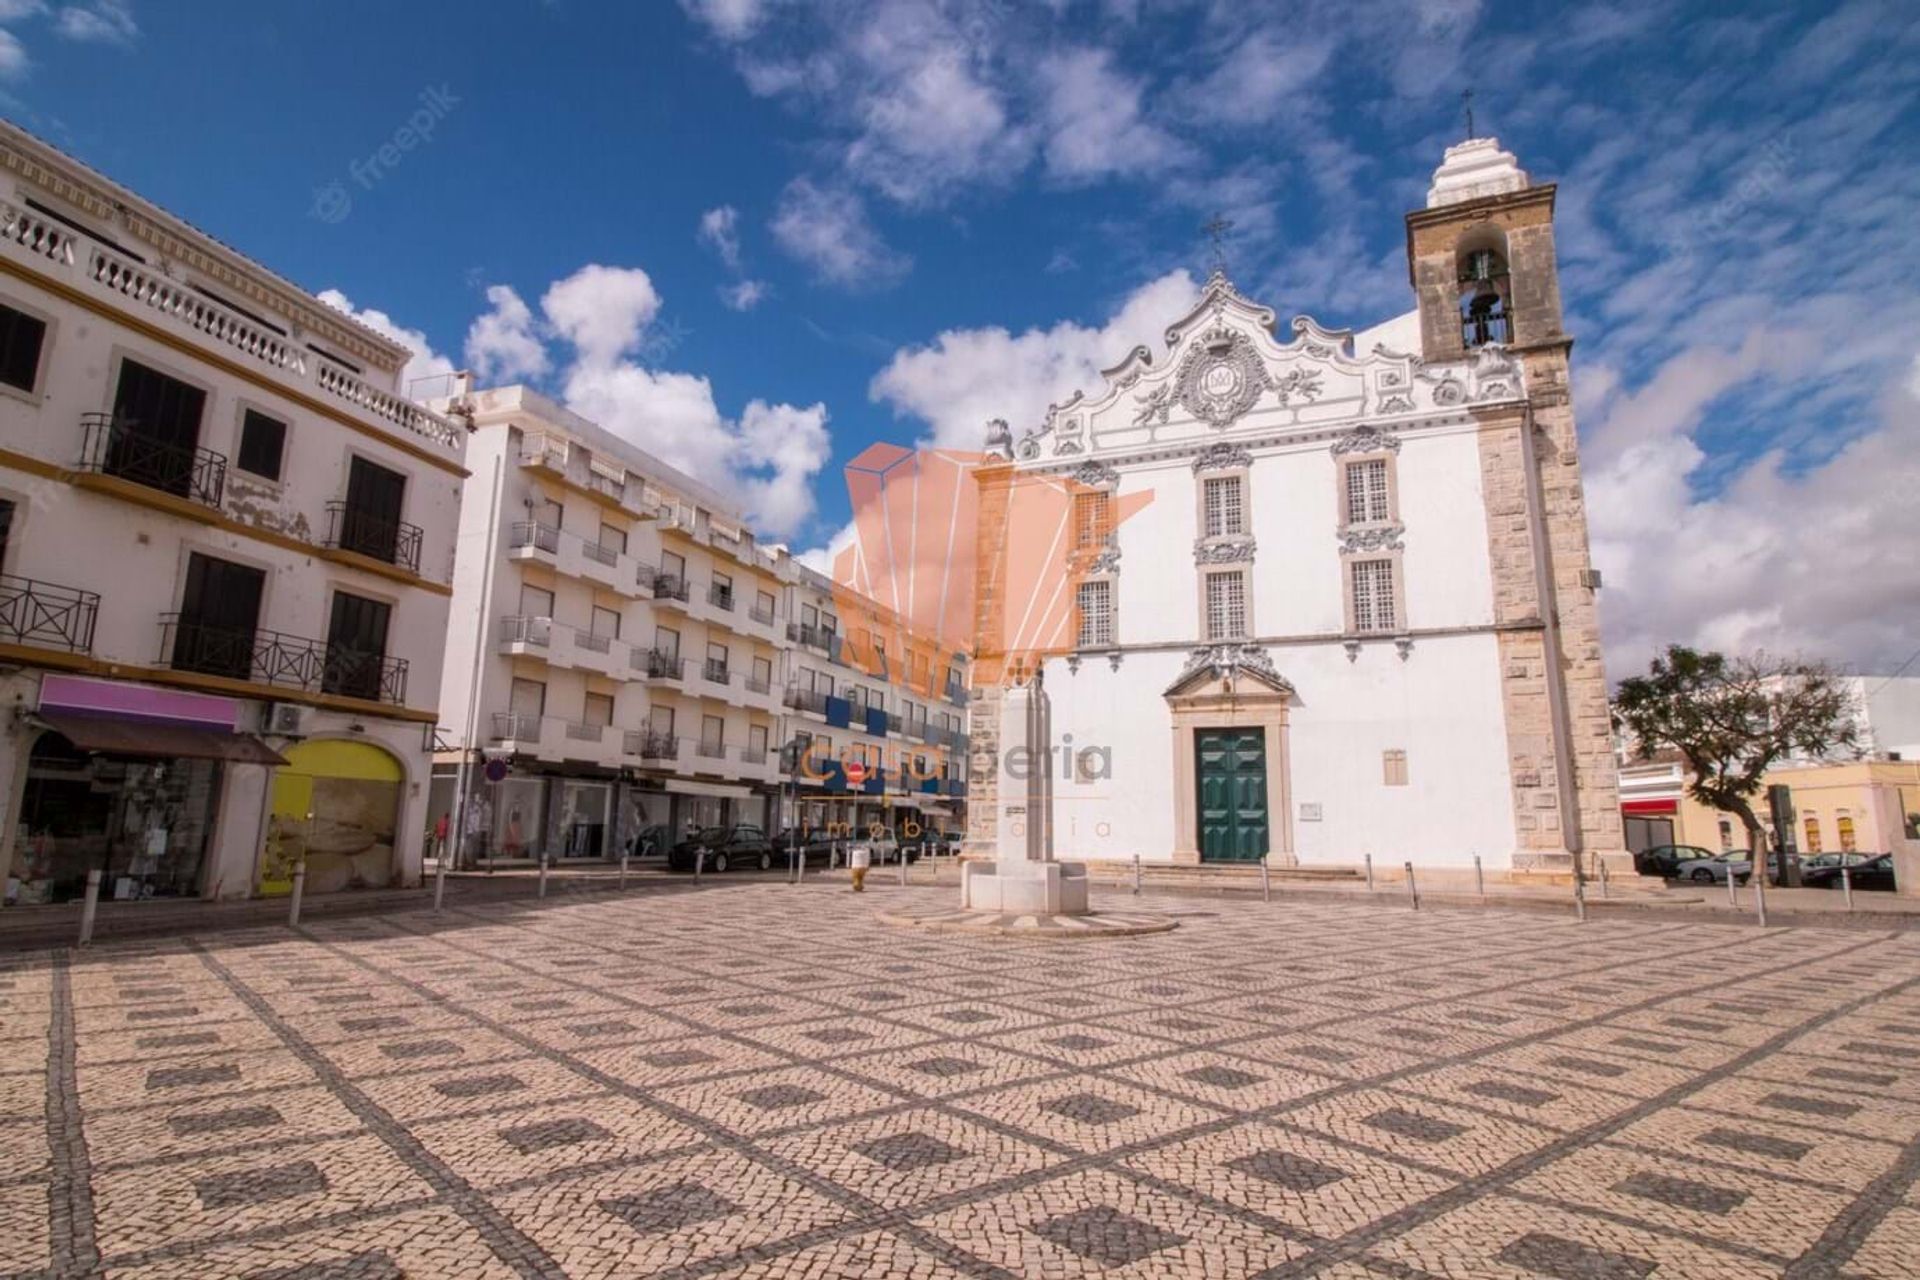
(426, 363)
(967, 376)
(102, 22)
(502, 344)
(728, 19)
(603, 311)
(13, 56)
(16, 10)
(1263, 73)
(827, 228)
(744, 295)
(1096, 128)
(720, 231)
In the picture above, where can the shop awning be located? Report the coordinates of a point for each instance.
(146, 738)
(1649, 806)
(687, 787)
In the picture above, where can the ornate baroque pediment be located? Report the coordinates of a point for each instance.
(1222, 456)
(1385, 537)
(1367, 439)
(1228, 664)
(1231, 550)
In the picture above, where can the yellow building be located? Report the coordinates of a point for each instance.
(1865, 806)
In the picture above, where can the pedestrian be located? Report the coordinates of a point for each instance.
(440, 830)
(858, 859)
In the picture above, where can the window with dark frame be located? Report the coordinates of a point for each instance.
(263, 441)
(356, 646)
(21, 339)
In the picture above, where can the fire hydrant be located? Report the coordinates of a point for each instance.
(858, 859)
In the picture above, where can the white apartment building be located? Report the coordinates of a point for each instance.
(618, 644)
(860, 692)
(226, 541)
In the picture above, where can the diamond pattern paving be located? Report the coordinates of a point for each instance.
(625, 1084)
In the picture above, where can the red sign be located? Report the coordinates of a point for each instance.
(856, 773)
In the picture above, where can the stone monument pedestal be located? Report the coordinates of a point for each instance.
(1019, 887)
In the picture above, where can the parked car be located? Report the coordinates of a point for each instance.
(650, 842)
(1875, 873)
(1662, 859)
(1742, 866)
(1715, 868)
(1819, 861)
(743, 844)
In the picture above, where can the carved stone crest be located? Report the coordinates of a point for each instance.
(1221, 378)
(1222, 457)
(1384, 537)
(1234, 550)
(1095, 474)
(1367, 439)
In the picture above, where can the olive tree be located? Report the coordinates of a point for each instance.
(1733, 719)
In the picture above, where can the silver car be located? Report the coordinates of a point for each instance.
(1714, 870)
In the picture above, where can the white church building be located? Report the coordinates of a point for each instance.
(1332, 588)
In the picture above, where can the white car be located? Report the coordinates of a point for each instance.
(1714, 870)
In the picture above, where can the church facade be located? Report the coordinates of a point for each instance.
(1330, 590)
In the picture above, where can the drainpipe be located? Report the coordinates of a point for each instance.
(464, 786)
(1562, 720)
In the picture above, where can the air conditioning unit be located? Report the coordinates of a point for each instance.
(288, 719)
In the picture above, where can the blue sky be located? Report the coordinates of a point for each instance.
(757, 235)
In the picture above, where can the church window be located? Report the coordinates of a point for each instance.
(1092, 519)
(1368, 491)
(1226, 606)
(1394, 766)
(1813, 833)
(1096, 613)
(1225, 501)
(1373, 595)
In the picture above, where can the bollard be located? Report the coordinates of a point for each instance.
(1733, 891)
(1846, 885)
(439, 886)
(699, 863)
(1479, 880)
(1266, 889)
(903, 866)
(91, 905)
(623, 871)
(299, 890)
(1136, 875)
(1603, 878)
(1369, 861)
(1413, 890)
(1580, 899)
(543, 875)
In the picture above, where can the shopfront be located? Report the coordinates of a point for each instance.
(127, 780)
(335, 804)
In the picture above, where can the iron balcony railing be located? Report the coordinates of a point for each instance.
(116, 447)
(659, 746)
(720, 597)
(593, 643)
(716, 671)
(604, 554)
(531, 533)
(664, 666)
(756, 684)
(521, 630)
(753, 755)
(275, 658)
(46, 615)
(806, 699)
(669, 586)
(761, 615)
(515, 726)
(606, 485)
(367, 533)
(712, 750)
(633, 741)
(580, 732)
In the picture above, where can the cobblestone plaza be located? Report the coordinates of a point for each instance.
(753, 1079)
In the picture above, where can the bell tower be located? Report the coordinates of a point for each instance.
(1481, 260)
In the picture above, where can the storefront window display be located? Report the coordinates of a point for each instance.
(334, 804)
(144, 823)
(519, 817)
(647, 824)
(585, 808)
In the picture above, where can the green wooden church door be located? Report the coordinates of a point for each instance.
(1232, 774)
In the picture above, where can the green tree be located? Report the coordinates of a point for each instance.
(1733, 719)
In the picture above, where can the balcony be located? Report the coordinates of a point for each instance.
(524, 635)
(606, 486)
(578, 731)
(671, 589)
(364, 533)
(526, 537)
(543, 454)
(811, 637)
(710, 750)
(806, 700)
(516, 727)
(599, 554)
(720, 597)
(665, 666)
(47, 616)
(274, 658)
(658, 746)
(716, 672)
(761, 615)
(756, 685)
(113, 447)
